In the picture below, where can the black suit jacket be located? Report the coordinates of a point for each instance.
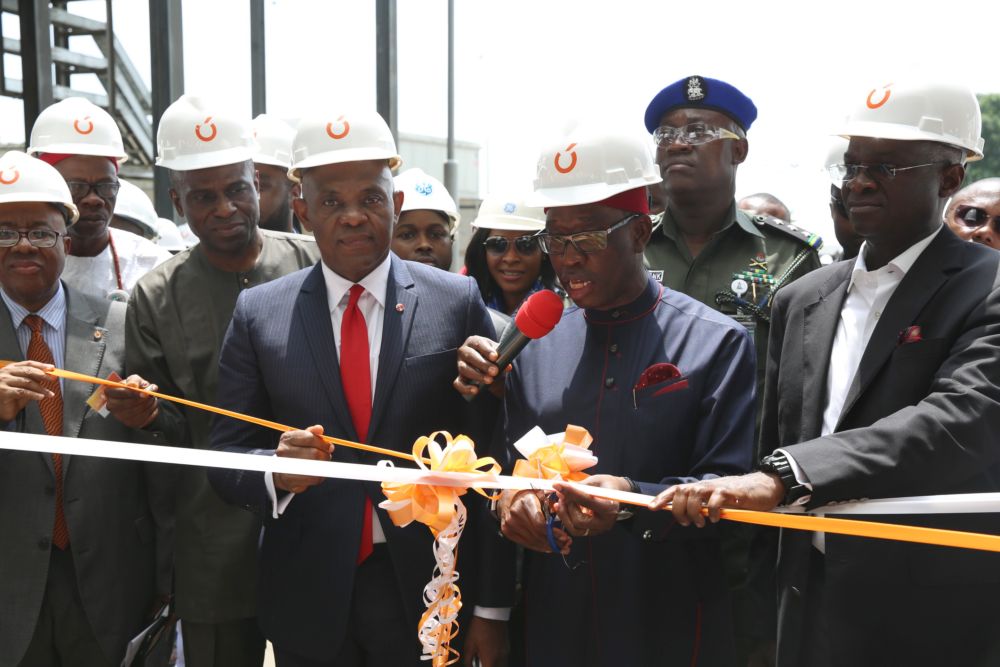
(920, 418)
(279, 361)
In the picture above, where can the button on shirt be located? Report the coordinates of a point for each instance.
(372, 305)
(868, 293)
(53, 315)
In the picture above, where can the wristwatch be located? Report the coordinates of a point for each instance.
(777, 464)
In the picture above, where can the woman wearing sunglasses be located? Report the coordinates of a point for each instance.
(504, 256)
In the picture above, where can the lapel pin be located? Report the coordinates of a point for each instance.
(98, 335)
(399, 307)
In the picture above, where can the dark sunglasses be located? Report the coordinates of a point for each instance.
(105, 189)
(525, 245)
(973, 216)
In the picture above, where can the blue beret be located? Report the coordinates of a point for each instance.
(699, 92)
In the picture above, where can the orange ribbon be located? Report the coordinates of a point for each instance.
(440, 508)
(552, 461)
(80, 377)
(434, 506)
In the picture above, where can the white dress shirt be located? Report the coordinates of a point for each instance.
(372, 306)
(868, 293)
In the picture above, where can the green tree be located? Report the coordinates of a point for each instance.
(989, 166)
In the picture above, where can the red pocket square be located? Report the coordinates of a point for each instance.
(680, 384)
(656, 374)
(910, 335)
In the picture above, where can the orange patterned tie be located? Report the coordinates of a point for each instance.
(52, 416)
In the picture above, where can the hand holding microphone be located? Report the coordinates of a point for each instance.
(480, 360)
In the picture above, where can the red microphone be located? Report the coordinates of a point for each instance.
(537, 316)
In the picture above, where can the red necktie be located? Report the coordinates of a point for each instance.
(52, 416)
(356, 379)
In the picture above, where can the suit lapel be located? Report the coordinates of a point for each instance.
(85, 345)
(395, 335)
(313, 311)
(918, 286)
(819, 328)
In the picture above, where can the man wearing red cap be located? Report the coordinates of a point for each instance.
(663, 384)
(83, 143)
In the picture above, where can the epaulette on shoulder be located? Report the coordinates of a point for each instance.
(789, 229)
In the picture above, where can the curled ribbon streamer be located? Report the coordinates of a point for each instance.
(562, 460)
(440, 508)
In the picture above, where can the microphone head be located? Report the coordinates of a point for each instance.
(539, 314)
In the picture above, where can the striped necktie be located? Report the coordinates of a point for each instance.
(52, 417)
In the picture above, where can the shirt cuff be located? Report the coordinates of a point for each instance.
(277, 506)
(492, 613)
(800, 476)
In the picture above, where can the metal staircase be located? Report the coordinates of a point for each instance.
(125, 96)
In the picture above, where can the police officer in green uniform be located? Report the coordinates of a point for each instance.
(704, 246)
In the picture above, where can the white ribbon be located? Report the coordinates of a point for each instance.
(968, 503)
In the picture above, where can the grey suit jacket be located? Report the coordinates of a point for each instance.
(112, 507)
(921, 417)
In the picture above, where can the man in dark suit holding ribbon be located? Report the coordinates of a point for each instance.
(361, 347)
(882, 382)
(664, 384)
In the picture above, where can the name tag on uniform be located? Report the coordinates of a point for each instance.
(658, 275)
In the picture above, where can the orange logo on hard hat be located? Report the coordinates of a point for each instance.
(12, 179)
(885, 97)
(572, 161)
(338, 135)
(209, 137)
(77, 126)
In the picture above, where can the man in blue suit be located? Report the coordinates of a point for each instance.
(361, 346)
(664, 384)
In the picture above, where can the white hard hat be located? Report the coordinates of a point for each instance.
(195, 134)
(332, 138)
(134, 204)
(78, 127)
(169, 236)
(27, 179)
(947, 113)
(509, 213)
(592, 164)
(274, 141)
(424, 192)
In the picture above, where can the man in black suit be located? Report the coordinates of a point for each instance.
(882, 381)
(361, 346)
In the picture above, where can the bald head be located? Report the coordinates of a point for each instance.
(764, 203)
(974, 212)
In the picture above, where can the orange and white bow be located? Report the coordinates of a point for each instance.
(563, 456)
(441, 509)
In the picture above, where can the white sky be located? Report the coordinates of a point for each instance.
(525, 68)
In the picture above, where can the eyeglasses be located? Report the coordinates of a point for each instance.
(39, 238)
(105, 189)
(525, 245)
(973, 216)
(692, 134)
(842, 173)
(585, 243)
